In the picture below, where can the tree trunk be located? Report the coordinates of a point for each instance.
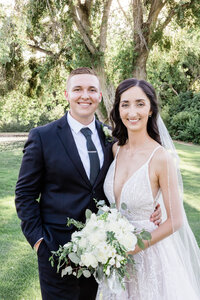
(139, 70)
(108, 92)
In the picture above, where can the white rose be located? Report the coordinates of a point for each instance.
(104, 251)
(83, 242)
(88, 259)
(128, 240)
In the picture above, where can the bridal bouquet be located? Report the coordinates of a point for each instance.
(100, 246)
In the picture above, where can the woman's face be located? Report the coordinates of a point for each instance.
(134, 109)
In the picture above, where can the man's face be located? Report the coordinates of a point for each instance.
(84, 96)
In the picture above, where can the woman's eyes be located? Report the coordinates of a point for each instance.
(140, 104)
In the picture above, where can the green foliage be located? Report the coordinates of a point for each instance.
(183, 117)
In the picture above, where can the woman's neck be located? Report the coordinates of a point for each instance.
(137, 140)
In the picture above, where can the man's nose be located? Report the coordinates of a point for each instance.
(85, 94)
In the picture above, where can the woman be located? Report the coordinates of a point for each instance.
(142, 174)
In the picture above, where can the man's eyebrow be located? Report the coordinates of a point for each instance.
(80, 86)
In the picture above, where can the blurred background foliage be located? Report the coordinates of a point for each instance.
(42, 41)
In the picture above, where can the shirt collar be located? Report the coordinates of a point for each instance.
(77, 126)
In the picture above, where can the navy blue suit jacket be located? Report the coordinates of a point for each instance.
(53, 184)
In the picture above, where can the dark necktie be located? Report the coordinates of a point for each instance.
(93, 154)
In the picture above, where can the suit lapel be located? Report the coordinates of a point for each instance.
(66, 137)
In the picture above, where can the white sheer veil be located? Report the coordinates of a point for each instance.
(183, 238)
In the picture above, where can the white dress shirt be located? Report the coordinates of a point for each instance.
(80, 142)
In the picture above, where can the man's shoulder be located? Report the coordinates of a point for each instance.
(49, 126)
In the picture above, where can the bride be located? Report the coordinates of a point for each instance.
(144, 172)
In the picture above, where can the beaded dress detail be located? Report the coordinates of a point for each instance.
(158, 274)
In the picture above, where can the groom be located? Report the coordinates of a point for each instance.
(57, 180)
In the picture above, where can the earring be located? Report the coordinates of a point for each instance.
(150, 116)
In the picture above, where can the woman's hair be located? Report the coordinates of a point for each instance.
(119, 129)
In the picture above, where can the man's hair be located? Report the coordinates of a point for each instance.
(82, 70)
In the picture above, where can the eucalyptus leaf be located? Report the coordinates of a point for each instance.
(123, 206)
(86, 273)
(67, 270)
(140, 243)
(74, 258)
(80, 272)
(112, 205)
(146, 235)
(88, 213)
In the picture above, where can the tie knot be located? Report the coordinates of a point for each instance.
(86, 132)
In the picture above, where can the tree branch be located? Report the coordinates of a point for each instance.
(83, 27)
(125, 15)
(104, 25)
(171, 14)
(38, 48)
(139, 26)
(155, 9)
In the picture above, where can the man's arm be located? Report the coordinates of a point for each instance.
(156, 216)
(28, 188)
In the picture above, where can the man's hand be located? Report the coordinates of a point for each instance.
(156, 216)
(36, 246)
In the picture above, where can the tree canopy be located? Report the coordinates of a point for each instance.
(42, 41)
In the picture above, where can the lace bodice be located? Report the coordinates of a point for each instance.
(138, 198)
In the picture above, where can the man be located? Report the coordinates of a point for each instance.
(57, 181)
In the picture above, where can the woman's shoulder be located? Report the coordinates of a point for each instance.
(115, 148)
(163, 159)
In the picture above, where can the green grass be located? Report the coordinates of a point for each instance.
(18, 262)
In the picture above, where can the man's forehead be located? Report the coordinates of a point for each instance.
(85, 80)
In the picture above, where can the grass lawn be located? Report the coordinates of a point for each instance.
(18, 262)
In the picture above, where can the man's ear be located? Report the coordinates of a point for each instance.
(66, 95)
(100, 97)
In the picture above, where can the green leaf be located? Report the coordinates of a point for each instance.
(80, 272)
(66, 271)
(145, 235)
(74, 258)
(86, 273)
(123, 206)
(112, 205)
(141, 244)
(88, 213)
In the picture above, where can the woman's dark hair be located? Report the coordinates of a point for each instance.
(119, 129)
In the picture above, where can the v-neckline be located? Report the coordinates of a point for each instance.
(125, 183)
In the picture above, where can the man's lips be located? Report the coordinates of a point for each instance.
(84, 104)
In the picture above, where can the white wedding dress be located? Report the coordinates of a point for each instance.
(159, 273)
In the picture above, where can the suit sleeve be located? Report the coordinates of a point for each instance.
(28, 188)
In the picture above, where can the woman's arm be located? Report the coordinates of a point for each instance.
(165, 171)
